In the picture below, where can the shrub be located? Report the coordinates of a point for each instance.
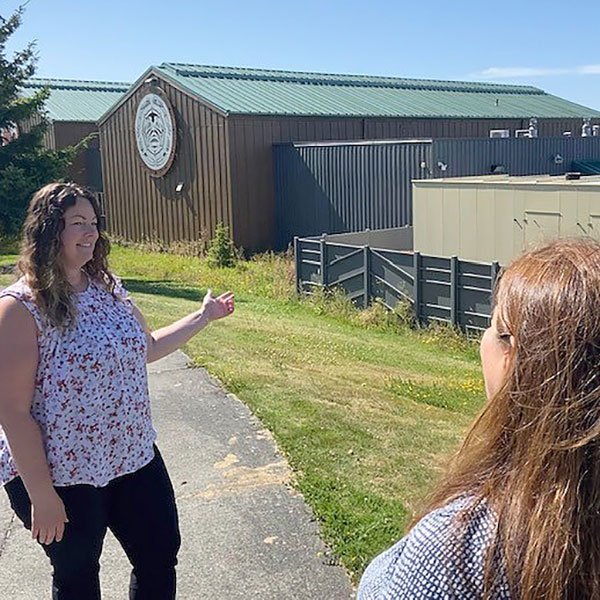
(451, 338)
(221, 250)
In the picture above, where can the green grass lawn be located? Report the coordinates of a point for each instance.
(366, 415)
(8, 259)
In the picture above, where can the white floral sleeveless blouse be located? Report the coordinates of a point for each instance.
(91, 390)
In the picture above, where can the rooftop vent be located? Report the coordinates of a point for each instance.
(533, 127)
(586, 128)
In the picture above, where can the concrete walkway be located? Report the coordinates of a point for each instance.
(246, 533)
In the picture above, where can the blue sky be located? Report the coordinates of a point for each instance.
(553, 45)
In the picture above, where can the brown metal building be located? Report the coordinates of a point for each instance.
(219, 168)
(73, 109)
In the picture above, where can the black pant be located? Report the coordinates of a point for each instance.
(139, 508)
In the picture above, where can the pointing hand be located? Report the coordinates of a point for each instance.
(217, 307)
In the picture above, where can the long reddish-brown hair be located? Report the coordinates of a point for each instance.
(39, 260)
(533, 453)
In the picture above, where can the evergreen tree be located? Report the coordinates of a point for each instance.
(221, 250)
(24, 163)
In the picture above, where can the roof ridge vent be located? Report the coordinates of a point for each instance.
(75, 84)
(350, 80)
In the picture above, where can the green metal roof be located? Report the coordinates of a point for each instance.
(72, 100)
(269, 92)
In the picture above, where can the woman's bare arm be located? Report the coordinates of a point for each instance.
(167, 339)
(18, 366)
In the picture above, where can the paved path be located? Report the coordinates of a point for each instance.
(246, 533)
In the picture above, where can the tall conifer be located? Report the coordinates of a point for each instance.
(25, 165)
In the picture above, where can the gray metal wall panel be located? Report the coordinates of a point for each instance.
(348, 263)
(520, 156)
(474, 294)
(392, 276)
(349, 187)
(308, 262)
(250, 143)
(345, 269)
(397, 238)
(346, 187)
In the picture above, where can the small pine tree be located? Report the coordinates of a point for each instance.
(221, 250)
(25, 165)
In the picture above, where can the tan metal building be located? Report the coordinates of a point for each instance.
(496, 217)
(216, 159)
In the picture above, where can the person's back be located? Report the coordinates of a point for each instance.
(436, 560)
(527, 477)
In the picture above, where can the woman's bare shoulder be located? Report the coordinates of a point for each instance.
(15, 319)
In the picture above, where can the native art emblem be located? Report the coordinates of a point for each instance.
(155, 133)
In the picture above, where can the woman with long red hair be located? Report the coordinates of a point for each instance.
(517, 514)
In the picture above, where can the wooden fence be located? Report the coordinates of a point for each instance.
(438, 288)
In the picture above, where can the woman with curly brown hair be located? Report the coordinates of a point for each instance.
(518, 513)
(77, 452)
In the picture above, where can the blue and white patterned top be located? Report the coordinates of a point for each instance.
(434, 562)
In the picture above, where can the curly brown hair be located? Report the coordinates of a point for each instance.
(40, 251)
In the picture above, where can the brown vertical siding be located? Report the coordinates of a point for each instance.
(49, 141)
(108, 172)
(49, 138)
(250, 146)
(214, 162)
(226, 166)
(141, 206)
(187, 210)
(125, 198)
(107, 156)
(61, 134)
(70, 133)
(198, 201)
(210, 215)
(228, 182)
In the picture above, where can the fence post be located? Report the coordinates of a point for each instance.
(297, 265)
(417, 259)
(323, 257)
(454, 290)
(367, 275)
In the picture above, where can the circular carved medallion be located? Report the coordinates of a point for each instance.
(155, 133)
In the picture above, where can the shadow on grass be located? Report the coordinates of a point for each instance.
(172, 289)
